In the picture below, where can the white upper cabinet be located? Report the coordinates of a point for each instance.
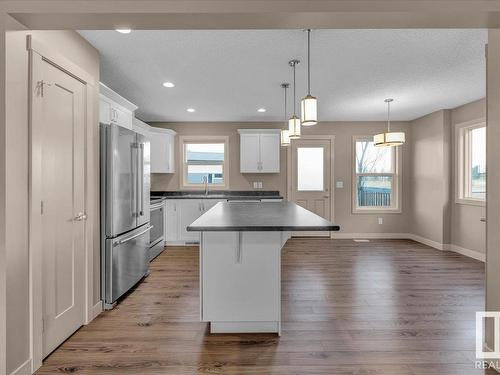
(162, 145)
(115, 109)
(259, 150)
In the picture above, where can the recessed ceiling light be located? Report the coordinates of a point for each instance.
(191, 110)
(168, 84)
(261, 110)
(124, 31)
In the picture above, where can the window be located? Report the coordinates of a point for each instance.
(471, 165)
(375, 177)
(204, 159)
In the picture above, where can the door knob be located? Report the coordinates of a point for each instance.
(80, 217)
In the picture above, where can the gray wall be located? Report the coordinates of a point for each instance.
(435, 213)
(343, 132)
(430, 177)
(467, 230)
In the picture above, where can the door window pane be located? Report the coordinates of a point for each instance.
(478, 163)
(310, 173)
(374, 191)
(371, 159)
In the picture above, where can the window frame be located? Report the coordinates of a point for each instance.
(396, 181)
(462, 162)
(183, 140)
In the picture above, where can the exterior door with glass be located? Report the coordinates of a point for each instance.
(311, 179)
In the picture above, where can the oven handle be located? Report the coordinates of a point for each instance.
(156, 206)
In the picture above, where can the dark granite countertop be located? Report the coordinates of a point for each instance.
(260, 216)
(217, 194)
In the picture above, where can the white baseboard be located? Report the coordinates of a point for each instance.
(468, 252)
(24, 369)
(409, 236)
(436, 245)
(95, 311)
(369, 236)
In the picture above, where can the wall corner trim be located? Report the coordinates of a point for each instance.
(436, 245)
(95, 311)
(24, 369)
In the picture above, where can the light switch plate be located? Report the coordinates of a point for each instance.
(381, 220)
(255, 185)
(260, 184)
(339, 184)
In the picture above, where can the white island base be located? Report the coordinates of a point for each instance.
(240, 281)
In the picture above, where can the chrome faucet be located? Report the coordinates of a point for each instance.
(205, 181)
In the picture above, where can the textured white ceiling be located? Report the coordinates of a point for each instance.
(226, 75)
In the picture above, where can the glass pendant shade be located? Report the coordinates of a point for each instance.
(285, 138)
(294, 127)
(389, 139)
(309, 111)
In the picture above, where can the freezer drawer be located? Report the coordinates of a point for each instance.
(126, 262)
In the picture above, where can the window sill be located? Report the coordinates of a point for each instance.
(369, 211)
(471, 202)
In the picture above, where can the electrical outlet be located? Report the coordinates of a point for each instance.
(255, 185)
(381, 220)
(260, 184)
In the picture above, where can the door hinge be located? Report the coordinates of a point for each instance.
(43, 324)
(41, 207)
(40, 85)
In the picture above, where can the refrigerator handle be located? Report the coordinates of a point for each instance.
(141, 183)
(133, 148)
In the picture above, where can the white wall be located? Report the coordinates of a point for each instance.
(71, 45)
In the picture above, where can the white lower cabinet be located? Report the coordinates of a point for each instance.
(189, 211)
(171, 222)
(180, 213)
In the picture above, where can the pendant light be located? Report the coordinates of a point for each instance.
(285, 133)
(389, 138)
(294, 122)
(309, 105)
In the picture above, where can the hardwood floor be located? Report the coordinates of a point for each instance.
(391, 307)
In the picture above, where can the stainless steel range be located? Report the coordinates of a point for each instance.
(125, 185)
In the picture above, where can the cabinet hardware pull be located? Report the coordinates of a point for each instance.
(238, 249)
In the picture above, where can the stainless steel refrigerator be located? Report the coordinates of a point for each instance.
(125, 187)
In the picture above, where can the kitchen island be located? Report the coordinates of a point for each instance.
(240, 262)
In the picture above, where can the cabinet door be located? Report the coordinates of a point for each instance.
(189, 211)
(171, 220)
(270, 153)
(104, 112)
(249, 153)
(122, 117)
(162, 153)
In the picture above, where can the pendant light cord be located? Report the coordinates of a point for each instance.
(294, 97)
(388, 116)
(286, 119)
(309, 61)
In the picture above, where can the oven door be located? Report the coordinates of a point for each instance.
(157, 237)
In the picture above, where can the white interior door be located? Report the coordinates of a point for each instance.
(63, 205)
(311, 179)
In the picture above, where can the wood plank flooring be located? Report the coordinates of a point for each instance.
(387, 307)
